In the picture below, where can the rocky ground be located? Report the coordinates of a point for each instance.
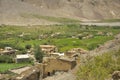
(62, 76)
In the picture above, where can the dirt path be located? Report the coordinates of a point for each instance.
(103, 24)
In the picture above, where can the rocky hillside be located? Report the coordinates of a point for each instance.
(35, 11)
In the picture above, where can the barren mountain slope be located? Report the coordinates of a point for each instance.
(89, 9)
(20, 11)
(13, 11)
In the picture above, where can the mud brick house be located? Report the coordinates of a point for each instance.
(48, 48)
(39, 71)
(29, 73)
(51, 65)
(75, 51)
(7, 51)
(22, 58)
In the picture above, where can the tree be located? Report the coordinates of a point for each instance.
(39, 54)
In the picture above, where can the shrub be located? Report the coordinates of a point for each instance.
(28, 46)
(6, 59)
(92, 46)
(2, 44)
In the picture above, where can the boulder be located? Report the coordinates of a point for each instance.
(116, 75)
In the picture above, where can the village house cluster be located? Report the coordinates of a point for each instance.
(52, 62)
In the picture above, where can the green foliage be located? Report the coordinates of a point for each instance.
(100, 67)
(6, 59)
(38, 54)
(64, 40)
(20, 48)
(3, 45)
(28, 46)
(23, 52)
(92, 46)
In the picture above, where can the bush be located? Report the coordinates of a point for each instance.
(21, 52)
(3, 44)
(28, 46)
(92, 46)
(6, 59)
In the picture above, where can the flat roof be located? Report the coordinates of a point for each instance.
(67, 59)
(22, 56)
(47, 46)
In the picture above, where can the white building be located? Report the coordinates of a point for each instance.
(22, 58)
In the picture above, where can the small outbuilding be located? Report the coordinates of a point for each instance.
(22, 58)
(52, 65)
(48, 48)
(7, 51)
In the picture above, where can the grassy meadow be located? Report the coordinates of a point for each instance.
(4, 67)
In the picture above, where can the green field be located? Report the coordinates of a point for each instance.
(4, 67)
(10, 36)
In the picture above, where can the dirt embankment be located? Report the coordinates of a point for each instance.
(102, 24)
(108, 46)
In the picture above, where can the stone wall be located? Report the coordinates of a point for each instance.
(54, 65)
(34, 73)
